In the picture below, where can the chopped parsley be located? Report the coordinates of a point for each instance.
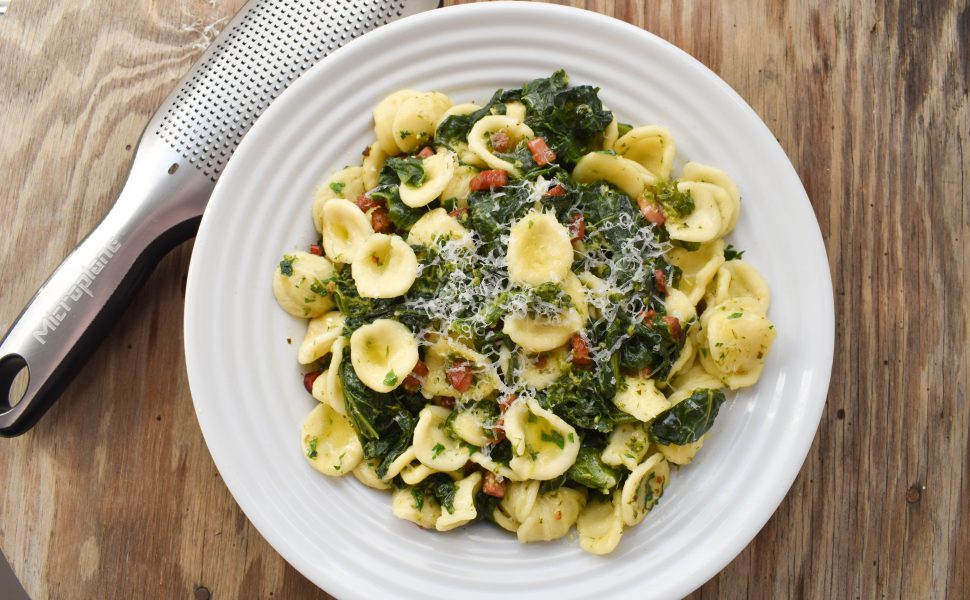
(736, 315)
(338, 187)
(390, 379)
(436, 450)
(311, 451)
(555, 437)
(732, 253)
(673, 200)
(286, 265)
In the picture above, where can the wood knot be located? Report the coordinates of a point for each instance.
(913, 494)
(202, 593)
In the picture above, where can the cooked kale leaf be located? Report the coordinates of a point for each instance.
(652, 345)
(454, 130)
(584, 397)
(732, 253)
(409, 171)
(688, 420)
(590, 470)
(570, 119)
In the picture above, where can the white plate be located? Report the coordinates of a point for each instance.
(244, 376)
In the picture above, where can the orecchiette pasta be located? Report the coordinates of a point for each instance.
(539, 371)
(433, 225)
(552, 516)
(541, 334)
(299, 287)
(706, 222)
(345, 229)
(383, 353)
(600, 525)
(641, 398)
(698, 268)
(415, 119)
(627, 175)
(421, 510)
(442, 356)
(738, 279)
(333, 391)
(643, 488)
(321, 333)
(330, 443)
(697, 172)
(651, 146)
(539, 250)
(463, 509)
(536, 317)
(735, 338)
(458, 189)
(439, 170)
(384, 267)
(627, 445)
(384, 114)
(433, 446)
(345, 184)
(371, 168)
(543, 445)
(681, 454)
(366, 473)
(479, 139)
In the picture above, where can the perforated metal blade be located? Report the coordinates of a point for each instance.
(266, 47)
(180, 156)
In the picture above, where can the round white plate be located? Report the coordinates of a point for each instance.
(246, 383)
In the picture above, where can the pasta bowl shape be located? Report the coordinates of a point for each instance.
(241, 348)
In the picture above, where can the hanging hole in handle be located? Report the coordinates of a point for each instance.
(14, 378)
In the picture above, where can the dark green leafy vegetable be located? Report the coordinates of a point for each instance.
(590, 470)
(672, 199)
(652, 345)
(454, 130)
(409, 171)
(687, 421)
(570, 119)
(401, 215)
(485, 506)
(551, 485)
(623, 128)
(438, 486)
(732, 253)
(286, 265)
(584, 397)
(490, 212)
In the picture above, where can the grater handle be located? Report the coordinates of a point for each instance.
(72, 312)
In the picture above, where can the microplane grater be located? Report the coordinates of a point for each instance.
(181, 153)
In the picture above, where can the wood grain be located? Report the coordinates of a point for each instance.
(114, 494)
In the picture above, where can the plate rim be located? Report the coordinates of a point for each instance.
(338, 585)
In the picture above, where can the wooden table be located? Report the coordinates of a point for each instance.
(114, 494)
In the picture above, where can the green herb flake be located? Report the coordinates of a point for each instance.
(311, 452)
(732, 253)
(736, 315)
(436, 450)
(418, 496)
(390, 379)
(338, 188)
(555, 437)
(286, 265)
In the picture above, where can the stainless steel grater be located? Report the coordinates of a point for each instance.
(179, 158)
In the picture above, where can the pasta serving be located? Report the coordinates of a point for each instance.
(518, 314)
